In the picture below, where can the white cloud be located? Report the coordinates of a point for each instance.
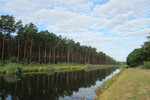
(74, 24)
(134, 25)
(85, 38)
(84, 7)
(106, 26)
(117, 7)
(119, 20)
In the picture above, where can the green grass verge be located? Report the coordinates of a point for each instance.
(49, 68)
(132, 84)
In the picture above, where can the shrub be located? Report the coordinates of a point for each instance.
(12, 60)
(11, 78)
(13, 68)
(146, 65)
(34, 63)
(1, 63)
(24, 62)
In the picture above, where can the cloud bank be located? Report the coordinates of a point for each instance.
(115, 27)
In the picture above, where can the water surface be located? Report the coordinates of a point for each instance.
(73, 85)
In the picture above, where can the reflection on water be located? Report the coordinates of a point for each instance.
(58, 86)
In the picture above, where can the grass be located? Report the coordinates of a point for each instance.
(132, 84)
(108, 83)
(11, 68)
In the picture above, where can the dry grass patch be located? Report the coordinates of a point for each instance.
(132, 84)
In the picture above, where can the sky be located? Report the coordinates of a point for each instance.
(115, 27)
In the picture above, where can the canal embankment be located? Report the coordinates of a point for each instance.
(130, 84)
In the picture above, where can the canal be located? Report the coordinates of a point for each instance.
(72, 85)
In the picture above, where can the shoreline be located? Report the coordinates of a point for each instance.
(15, 68)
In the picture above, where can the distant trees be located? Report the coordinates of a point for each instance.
(27, 44)
(138, 56)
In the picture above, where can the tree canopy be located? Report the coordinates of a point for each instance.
(138, 56)
(30, 45)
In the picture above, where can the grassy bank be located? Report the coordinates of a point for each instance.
(108, 83)
(132, 84)
(14, 67)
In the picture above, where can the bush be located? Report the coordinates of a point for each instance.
(24, 62)
(12, 60)
(1, 63)
(146, 65)
(11, 78)
(13, 68)
(34, 63)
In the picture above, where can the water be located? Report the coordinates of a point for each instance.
(74, 85)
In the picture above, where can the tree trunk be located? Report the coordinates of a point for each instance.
(50, 55)
(31, 52)
(58, 54)
(85, 59)
(3, 49)
(39, 54)
(68, 54)
(54, 55)
(8, 48)
(89, 59)
(62, 54)
(72, 56)
(25, 47)
(80, 57)
(18, 49)
(45, 54)
(77, 60)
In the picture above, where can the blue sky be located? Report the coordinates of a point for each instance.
(115, 27)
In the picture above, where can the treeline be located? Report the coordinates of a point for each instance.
(140, 55)
(26, 44)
